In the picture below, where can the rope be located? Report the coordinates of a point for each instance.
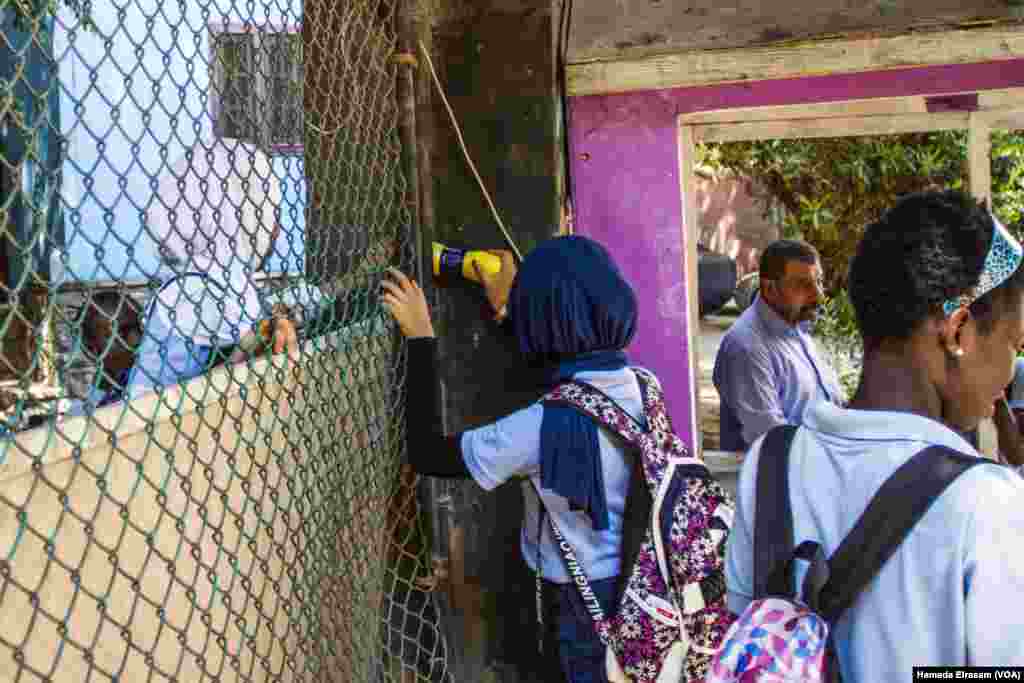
(458, 132)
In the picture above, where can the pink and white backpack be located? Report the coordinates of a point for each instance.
(671, 617)
(784, 634)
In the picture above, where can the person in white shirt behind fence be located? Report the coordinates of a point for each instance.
(214, 215)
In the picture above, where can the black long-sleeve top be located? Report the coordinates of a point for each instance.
(429, 451)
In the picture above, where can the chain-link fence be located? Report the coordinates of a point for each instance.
(202, 415)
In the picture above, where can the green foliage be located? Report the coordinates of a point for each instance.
(1008, 178)
(837, 319)
(836, 329)
(28, 13)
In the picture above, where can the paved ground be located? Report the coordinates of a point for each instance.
(712, 329)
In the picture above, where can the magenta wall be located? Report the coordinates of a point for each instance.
(625, 172)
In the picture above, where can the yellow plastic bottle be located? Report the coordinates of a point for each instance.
(449, 261)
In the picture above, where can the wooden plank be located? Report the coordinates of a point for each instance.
(688, 191)
(881, 106)
(1011, 118)
(813, 58)
(830, 128)
(979, 157)
(610, 29)
(874, 107)
(1001, 99)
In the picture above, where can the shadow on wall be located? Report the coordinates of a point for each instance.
(732, 220)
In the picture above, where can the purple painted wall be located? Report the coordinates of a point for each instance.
(625, 171)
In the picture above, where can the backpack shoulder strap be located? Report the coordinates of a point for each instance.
(773, 517)
(653, 397)
(599, 407)
(636, 516)
(891, 514)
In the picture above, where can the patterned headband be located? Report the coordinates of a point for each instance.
(1004, 256)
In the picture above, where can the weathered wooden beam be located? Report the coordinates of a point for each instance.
(1011, 118)
(831, 127)
(818, 110)
(812, 58)
(994, 103)
(496, 63)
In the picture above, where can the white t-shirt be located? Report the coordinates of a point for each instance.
(510, 448)
(951, 594)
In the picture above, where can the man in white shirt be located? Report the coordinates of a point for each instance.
(939, 295)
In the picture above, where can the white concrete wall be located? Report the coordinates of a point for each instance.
(221, 502)
(136, 94)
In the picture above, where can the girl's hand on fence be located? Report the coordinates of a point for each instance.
(407, 304)
(284, 337)
(276, 335)
(498, 286)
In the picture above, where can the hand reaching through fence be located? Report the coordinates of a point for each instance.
(215, 217)
(276, 335)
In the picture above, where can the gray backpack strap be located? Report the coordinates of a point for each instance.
(832, 586)
(773, 518)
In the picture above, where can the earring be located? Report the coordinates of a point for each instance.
(958, 352)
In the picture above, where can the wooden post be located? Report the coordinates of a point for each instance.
(691, 233)
(496, 62)
(979, 157)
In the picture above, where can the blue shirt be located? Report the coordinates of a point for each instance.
(767, 372)
(952, 593)
(165, 356)
(510, 448)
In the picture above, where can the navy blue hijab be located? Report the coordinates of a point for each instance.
(572, 311)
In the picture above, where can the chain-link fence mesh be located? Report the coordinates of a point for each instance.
(202, 409)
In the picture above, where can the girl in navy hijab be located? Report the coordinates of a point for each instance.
(573, 313)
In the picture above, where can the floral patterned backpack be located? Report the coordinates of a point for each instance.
(671, 617)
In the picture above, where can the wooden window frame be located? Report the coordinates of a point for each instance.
(259, 95)
(996, 109)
